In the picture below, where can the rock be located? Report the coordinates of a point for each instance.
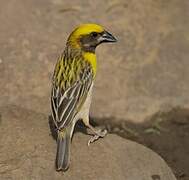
(144, 73)
(28, 152)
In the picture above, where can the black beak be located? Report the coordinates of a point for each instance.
(107, 37)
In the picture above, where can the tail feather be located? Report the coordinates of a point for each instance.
(63, 151)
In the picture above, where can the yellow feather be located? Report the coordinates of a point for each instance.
(87, 29)
(83, 29)
(91, 58)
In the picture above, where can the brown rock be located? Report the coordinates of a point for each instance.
(28, 152)
(144, 73)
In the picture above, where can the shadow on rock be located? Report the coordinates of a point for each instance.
(165, 132)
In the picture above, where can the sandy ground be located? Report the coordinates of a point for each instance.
(145, 74)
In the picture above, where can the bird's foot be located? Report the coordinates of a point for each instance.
(98, 134)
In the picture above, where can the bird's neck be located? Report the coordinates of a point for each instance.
(91, 58)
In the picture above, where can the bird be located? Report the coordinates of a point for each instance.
(72, 85)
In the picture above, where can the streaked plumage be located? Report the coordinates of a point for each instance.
(72, 80)
(72, 86)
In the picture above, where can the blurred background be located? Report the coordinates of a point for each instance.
(142, 85)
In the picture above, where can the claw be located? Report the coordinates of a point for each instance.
(98, 134)
(93, 139)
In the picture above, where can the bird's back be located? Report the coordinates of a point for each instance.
(72, 79)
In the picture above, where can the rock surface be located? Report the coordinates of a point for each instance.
(28, 152)
(144, 73)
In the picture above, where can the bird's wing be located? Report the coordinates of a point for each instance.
(66, 104)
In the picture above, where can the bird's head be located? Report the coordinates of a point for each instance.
(88, 36)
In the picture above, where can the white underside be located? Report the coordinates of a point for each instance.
(84, 111)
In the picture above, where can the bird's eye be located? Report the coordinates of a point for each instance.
(94, 34)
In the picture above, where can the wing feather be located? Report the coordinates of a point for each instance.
(65, 104)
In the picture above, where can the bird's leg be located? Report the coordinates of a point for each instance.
(97, 133)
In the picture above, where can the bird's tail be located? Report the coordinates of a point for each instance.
(63, 150)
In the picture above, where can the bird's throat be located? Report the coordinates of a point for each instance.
(91, 58)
